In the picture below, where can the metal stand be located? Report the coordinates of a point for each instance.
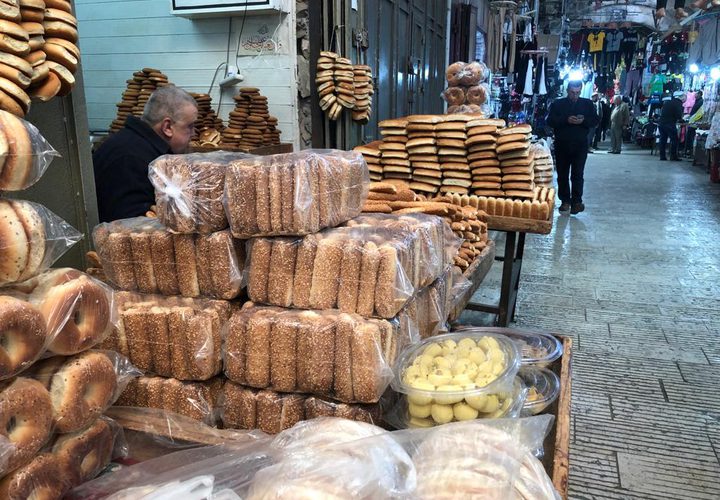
(512, 265)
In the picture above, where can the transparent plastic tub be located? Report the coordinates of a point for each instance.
(457, 376)
(543, 388)
(537, 348)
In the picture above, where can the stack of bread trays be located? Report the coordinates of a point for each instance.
(52, 437)
(38, 52)
(138, 91)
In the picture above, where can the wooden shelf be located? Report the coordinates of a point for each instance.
(515, 224)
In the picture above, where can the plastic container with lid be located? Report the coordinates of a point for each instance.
(537, 348)
(457, 376)
(543, 388)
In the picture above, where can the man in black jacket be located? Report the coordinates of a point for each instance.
(571, 118)
(671, 113)
(121, 162)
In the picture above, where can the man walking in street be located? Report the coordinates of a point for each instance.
(571, 118)
(619, 119)
(596, 132)
(670, 115)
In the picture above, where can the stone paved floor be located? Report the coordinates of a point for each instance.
(635, 280)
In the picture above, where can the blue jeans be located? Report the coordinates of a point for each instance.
(668, 131)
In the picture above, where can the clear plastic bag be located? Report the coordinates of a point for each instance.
(85, 453)
(296, 193)
(189, 190)
(372, 267)
(466, 74)
(171, 336)
(196, 400)
(140, 254)
(327, 353)
(83, 386)
(532, 481)
(33, 238)
(24, 153)
(273, 412)
(78, 310)
(45, 473)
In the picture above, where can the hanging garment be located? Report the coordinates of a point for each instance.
(495, 41)
(613, 40)
(657, 83)
(596, 41)
(527, 33)
(540, 85)
(528, 87)
(520, 73)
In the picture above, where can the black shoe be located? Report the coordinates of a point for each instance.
(663, 159)
(577, 208)
(565, 207)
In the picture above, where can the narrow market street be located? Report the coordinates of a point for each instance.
(635, 280)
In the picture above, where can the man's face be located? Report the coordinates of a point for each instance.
(180, 131)
(595, 98)
(574, 93)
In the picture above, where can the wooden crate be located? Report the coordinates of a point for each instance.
(557, 444)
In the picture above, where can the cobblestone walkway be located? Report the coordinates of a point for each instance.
(635, 280)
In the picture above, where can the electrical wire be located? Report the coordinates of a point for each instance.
(242, 27)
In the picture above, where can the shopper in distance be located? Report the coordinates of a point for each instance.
(670, 115)
(571, 118)
(121, 163)
(619, 119)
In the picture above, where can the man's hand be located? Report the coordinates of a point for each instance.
(573, 120)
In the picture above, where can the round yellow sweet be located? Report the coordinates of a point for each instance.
(498, 368)
(492, 404)
(420, 399)
(466, 343)
(448, 346)
(440, 376)
(419, 411)
(433, 350)
(413, 372)
(460, 366)
(472, 371)
(488, 343)
(424, 360)
(464, 411)
(462, 379)
(477, 356)
(485, 368)
(477, 401)
(448, 399)
(463, 353)
(442, 414)
(442, 362)
(496, 355)
(420, 423)
(483, 380)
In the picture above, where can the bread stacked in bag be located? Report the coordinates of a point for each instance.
(53, 386)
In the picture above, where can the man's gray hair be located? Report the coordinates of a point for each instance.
(165, 102)
(617, 96)
(575, 84)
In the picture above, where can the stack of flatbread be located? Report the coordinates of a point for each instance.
(372, 154)
(393, 155)
(482, 158)
(516, 161)
(451, 137)
(362, 76)
(543, 166)
(426, 173)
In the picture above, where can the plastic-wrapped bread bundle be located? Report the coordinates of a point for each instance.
(171, 336)
(296, 193)
(196, 400)
(189, 190)
(82, 386)
(24, 153)
(32, 238)
(326, 353)
(23, 333)
(77, 309)
(372, 266)
(273, 412)
(45, 474)
(140, 254)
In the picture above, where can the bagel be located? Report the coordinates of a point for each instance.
(14, 30)
(73, 48)
(10, 105)
(61, 55)
(13, 46)
(454, 96)
(16, 62)
(52, 14)
(36, 57)
(84, 454)
(10, 12)
(20, 96)
(67, 80)
(17, 168)
(15, 75)
(43, 478)
(453, 73)
(33, 4)
(76, 309)
(476, 95)
(23, 332)
(25, 418)
(32, 28)
(40, 79)
(59, 4)
(36, 42)
(13, 244)
(61, 29)
(34, 229)
(81, 388)
(32, 15)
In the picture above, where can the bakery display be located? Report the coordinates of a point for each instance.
(196, 400)
(173, 336)
(539, 207)
(32, 238)
(140, 254)
(342, 85)
(458, 376)
(295, 193)
(25, 420)
(251, 125)
(85, 453)
(466, 92)
(372, 266)
(24, 153)
(326, 353)
(81, 386)
(139, 88)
